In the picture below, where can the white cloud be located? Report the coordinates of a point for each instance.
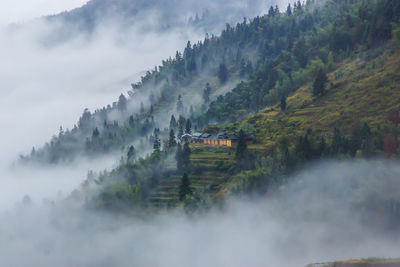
(15, 11)
(43, 87)
(313, 220)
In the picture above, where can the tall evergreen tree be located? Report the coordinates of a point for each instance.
(185, 188)
(223, 73)
(283, 103)
(207, 93)
(271, 11)
(180, 130)
(172, 123)
(241, 149)
(289, 10)
(188, 127)
(131, 153)
(178, 158)
(122, 103)
(319, 84)
(157, 143)
(171, 140)
(186, 157)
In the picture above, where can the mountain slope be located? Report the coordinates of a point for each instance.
(275, 58)
(364, 89)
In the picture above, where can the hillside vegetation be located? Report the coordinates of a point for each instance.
(317, 81)
(265, 59)
(364, 89)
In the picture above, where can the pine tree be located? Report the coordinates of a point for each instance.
(241, 149)
(131, 153)
(319, 84)
(271, 11)
(122, 103)
(207, 93)
(157, 143)
(180, 130)
(277, 12)
(172, 123)
(86, 121)
(171, 140)
(95, 133)
(188, 126)
(223, 73)
(178, 158)
(289, 10)
(185, 188)
(186, 157)
(283, 103)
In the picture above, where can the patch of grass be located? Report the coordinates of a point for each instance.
(359, 96)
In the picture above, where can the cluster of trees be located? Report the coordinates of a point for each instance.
(300, 45)
(291, 48)
(274, 54)
(132, 183)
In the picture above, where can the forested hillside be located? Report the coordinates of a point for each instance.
(159, 16)
(319, 80)
(279, 52)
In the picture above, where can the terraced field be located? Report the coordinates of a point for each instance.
(209, 172)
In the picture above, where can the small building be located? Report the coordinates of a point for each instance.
(223, 139)
(196, 138)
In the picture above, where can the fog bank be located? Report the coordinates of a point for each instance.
(313, 220)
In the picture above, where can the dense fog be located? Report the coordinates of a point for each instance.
(46, 83)
(313, 220)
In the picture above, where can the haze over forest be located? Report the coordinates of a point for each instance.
(103, 103)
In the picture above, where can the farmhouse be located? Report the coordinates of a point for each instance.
(221, 139)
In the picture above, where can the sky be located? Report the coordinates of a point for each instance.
(14, 11)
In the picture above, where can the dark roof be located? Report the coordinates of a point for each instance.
(222, 135)
(233, 137)
(205, 135)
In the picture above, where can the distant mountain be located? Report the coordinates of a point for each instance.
(210, 16)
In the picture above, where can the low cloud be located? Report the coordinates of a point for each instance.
(313, 220)
(15, 11)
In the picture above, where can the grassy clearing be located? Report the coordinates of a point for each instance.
(360, 90)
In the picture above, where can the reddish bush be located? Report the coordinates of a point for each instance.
(390, 145)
